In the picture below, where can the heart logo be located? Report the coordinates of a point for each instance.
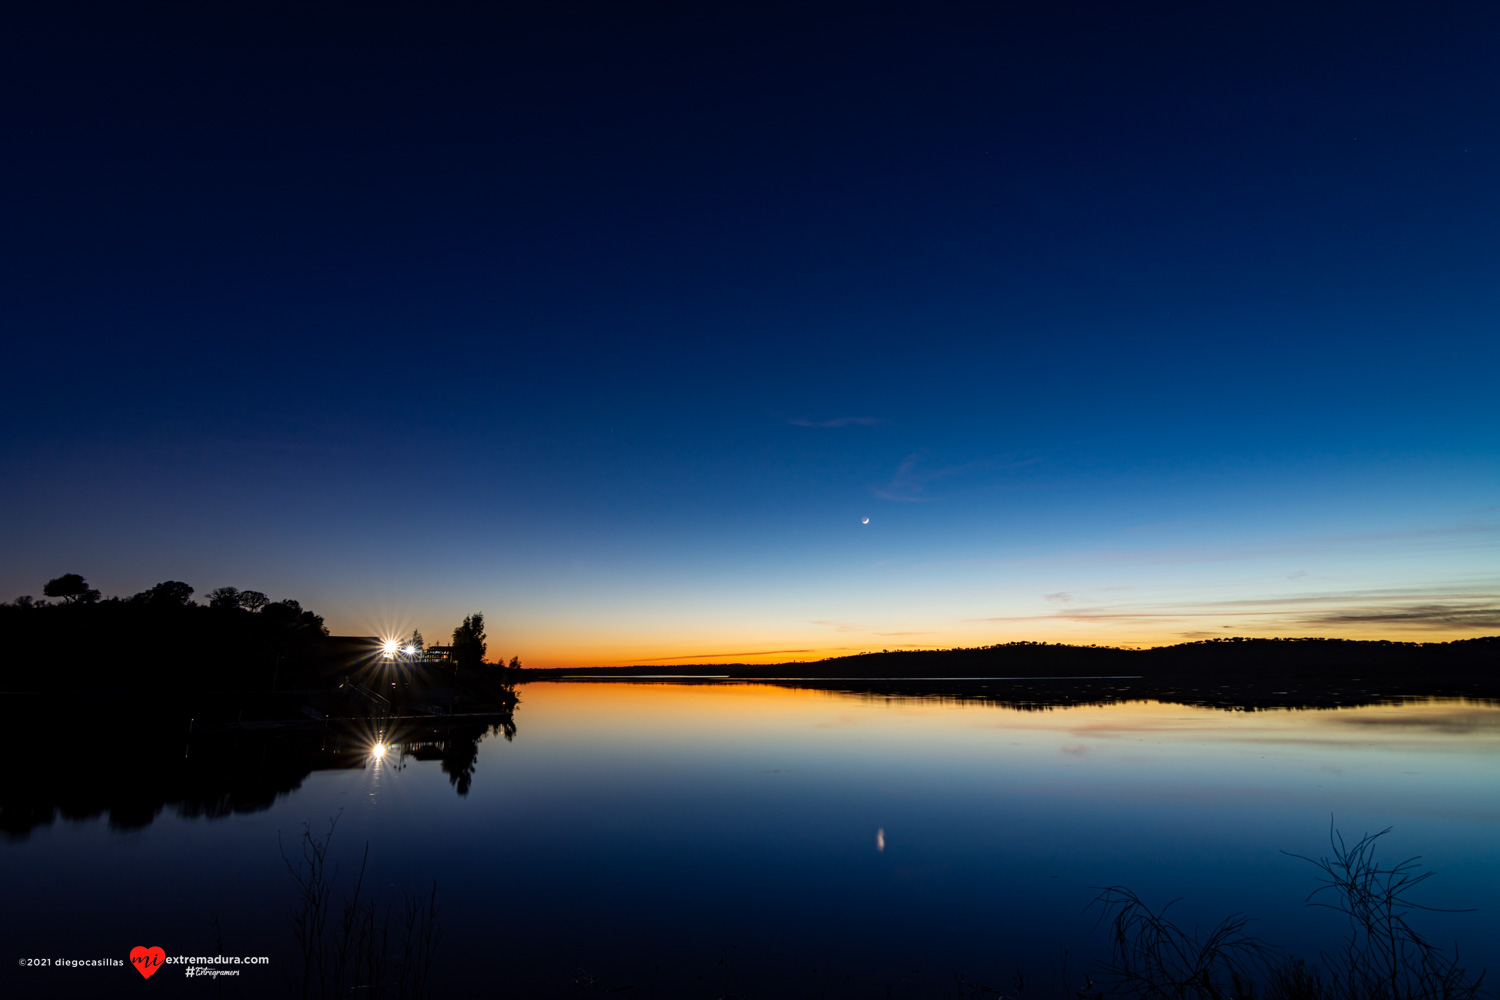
(147, 960)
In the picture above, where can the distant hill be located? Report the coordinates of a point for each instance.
(1304, 659)
(1232, 674)
(1233, 656)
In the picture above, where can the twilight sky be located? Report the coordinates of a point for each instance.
(1120, 323)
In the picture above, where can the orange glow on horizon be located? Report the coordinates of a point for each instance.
(669, 652)
(563, 644)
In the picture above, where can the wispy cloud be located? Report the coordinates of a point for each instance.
(912, 477)
(1443, 537)
(1435, 609)
(886, 634)
(1061, 597)
(1456, 722)
(836, 422)
(1435, 616)
(904, 485)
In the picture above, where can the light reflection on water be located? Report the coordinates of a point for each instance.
(641, 830)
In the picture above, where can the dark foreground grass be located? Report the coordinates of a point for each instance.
(352, 946)
(1383, 957)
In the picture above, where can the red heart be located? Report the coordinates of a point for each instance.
(147, 960)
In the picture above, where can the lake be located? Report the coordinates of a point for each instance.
(700, 839)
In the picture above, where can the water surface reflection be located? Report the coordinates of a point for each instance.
(646, 835)
(129, 769)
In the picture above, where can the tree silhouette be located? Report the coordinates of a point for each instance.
(460, 757)
(468, 643)
(224, 598)
(233, 597)
(288, 617)
(167, 594)
(72, 588)
(253, 600)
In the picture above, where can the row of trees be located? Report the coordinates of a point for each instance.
(163, 637)
(74, 638)
(72, 589)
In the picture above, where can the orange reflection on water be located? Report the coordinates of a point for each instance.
(694, 711)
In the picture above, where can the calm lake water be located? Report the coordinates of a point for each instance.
(779, 842)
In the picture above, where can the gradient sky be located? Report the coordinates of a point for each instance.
(1120, 324)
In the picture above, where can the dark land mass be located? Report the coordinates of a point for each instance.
(121, 708)
(275, 658)
(240, 655)
(1220, 673)
(230, 704)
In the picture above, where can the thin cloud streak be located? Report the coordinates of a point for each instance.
(1437, 609)
(880, 494)
(1429, 616)
(1290, 547)
(910, 479)
(837, 422)
(903, 484)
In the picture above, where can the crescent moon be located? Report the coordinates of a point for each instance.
(865, 521)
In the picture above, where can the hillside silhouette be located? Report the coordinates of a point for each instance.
(1235, 673)
(1304, 657)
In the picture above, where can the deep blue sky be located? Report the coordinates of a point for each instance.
(1120, 323)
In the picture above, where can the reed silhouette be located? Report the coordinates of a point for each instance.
(351, 942)
(1383, 957)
